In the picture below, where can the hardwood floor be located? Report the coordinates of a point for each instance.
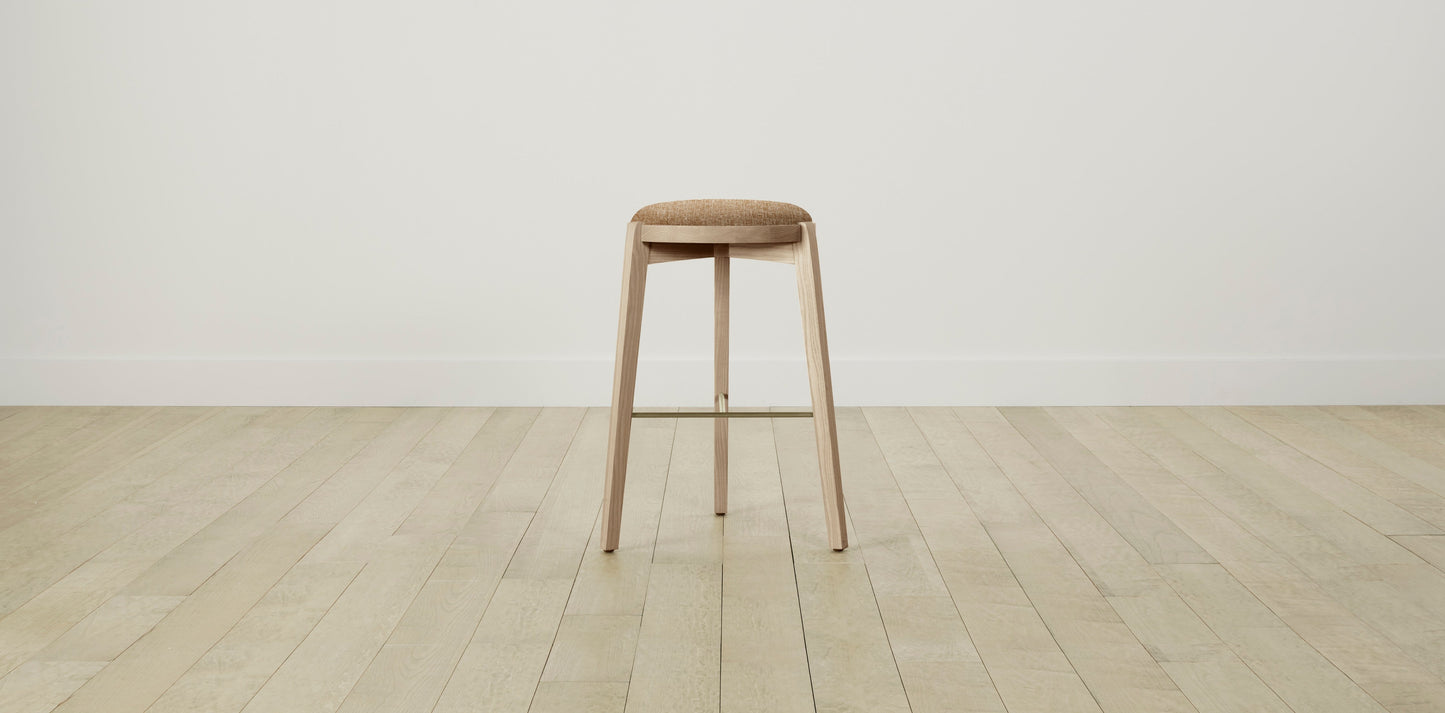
(1011, 559)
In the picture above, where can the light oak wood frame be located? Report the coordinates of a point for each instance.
(649, 244)
(624, 382)
(820, 381)
(722, 269)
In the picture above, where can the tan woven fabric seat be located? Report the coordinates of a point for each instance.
(722, 212)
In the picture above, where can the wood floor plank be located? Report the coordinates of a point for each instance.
(850, 661)
(514, 629)
(1370, 659)
(1298, 673)
(524, 481)
(896, 554)
(1050, 503)
(616, 582)
(593, 647)
(1290, 497)
(236, 431)
(1367, 505)
(61, 439)
(50, 545)
(44, 547)
(412, 669)
(1423, 447)
(1151, 533)
(230, 672)
(110, 629)
(1206, 670)
(677, 665)
(1118, 670)
(379, 514)
(19, 419)
(1189, 654)
(764, 658)
(458, 493)
(803, 495)
(134, 680)
(1430, 548)
(36, 427)
(576, 697)
(1312, 545)
(688, 531)
(1220, 535)
(39, 686)
(129, 438)
(1351, 436)
(145, 540)
(1223, 686)
(203, 533)
(192, 533)
(1421, 420)
(1019, 652)
(554, 543)
(849, 657)
(1316, 588)
(1377, 498)
(854, 669)
(544, 561)
(1381, 581)
(935, 655)
(420, 622)
(503, 661)
(323, 669)
(1408, 494)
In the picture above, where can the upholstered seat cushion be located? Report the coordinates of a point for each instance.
(722, 212)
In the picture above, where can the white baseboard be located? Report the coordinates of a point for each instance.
(756, 382)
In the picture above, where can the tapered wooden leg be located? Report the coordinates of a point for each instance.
(624, 381)
(820, 379)
(721, 269)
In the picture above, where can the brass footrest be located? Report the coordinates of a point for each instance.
(713, 413)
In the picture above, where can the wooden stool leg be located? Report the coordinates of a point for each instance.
(820, 379)
(624, 381)
(721, 269)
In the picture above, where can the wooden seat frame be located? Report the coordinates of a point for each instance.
(649, 244)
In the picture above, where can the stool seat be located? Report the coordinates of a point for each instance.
(722, 212)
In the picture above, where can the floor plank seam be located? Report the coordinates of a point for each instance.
(793, 556)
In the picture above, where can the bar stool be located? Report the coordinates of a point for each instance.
(722, 230)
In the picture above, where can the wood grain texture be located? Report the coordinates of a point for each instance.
(1016, 559)
(820, 382)
(764, 659)
(674, 252)
(624, 383)
(132, 540)
(678, 661)
(720, 234)
(721, 297)
(777, 252)
(35, 429)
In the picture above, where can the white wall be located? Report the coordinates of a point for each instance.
(1038, 202)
